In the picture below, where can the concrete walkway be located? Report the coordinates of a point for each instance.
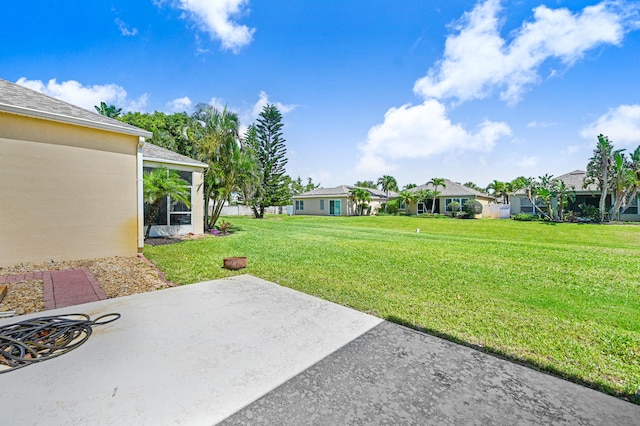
(246, 351)
(63, 288)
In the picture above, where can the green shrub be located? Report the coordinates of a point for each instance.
(472, 207)
(453, 207)
(525, 217)
(589, 212)
(390, 207)
(224, 227)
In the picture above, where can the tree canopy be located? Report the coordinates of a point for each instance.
(108, 110)
(170, 131)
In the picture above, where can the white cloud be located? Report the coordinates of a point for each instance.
(180, 104)
(86, 96)
(478, 61)
(572, 149)
(621, 125)
(528, 162)
(124, 29)
(217, 18)
(422, 131)
(219, 104)
(263, 100)
(541, 124)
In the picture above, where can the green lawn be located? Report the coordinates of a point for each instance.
(562, 297)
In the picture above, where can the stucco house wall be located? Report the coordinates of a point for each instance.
(312, 206)
(317, 202)
(67, 192)
(71, 181)
(452, 190)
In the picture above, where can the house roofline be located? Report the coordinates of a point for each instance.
(61, 118)
(177, 163)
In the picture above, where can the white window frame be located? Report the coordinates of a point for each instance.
(299, 205)
(460, 200)
(170, 202)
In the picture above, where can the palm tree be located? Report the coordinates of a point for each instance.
(366, 184)
(108, 110)
(436, 182)
(407, 197)
(157, 185)
(216, 138)
(563, 193)
(623, 181)
(634, 165)
(474, 186)
(360, 197)
(422, 196)
(598, 170)
(387, 183)
(499, 189)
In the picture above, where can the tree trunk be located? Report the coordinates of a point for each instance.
(535, 207)
(631, 198)
(620, 201)
(153, 212)
(603, 191)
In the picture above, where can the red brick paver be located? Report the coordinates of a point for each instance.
(64, 288)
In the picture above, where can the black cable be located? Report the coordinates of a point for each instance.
(38, 339)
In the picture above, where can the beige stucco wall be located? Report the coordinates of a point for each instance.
(66, 192)
(312, 206)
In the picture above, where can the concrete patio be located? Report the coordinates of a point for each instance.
(247, 351)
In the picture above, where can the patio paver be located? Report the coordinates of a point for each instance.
(63, 288)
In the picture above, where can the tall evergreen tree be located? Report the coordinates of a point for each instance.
(271, 153)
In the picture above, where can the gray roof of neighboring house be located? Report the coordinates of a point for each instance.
(342, 191)
(20, 100)
(575, 179)
(162, 155)
(452, 189)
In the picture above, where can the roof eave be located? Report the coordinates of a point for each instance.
(177, 163)
(28, 112)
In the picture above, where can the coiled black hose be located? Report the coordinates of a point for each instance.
(35, 340)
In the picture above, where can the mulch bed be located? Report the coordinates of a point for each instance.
(118, 276)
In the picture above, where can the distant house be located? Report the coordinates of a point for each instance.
(335, 201)
(452, 191)
(176, 218)
(71, 185)
(589, 195)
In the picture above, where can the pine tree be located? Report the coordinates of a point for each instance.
(271, 153)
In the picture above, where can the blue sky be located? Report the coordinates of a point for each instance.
(466, 90)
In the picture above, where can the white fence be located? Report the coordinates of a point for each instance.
(242, 210)
(499, 211)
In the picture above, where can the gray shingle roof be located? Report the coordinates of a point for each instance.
(20, 100)
(154, 152)
(452, 189)
(575, 179)
(342, 191)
